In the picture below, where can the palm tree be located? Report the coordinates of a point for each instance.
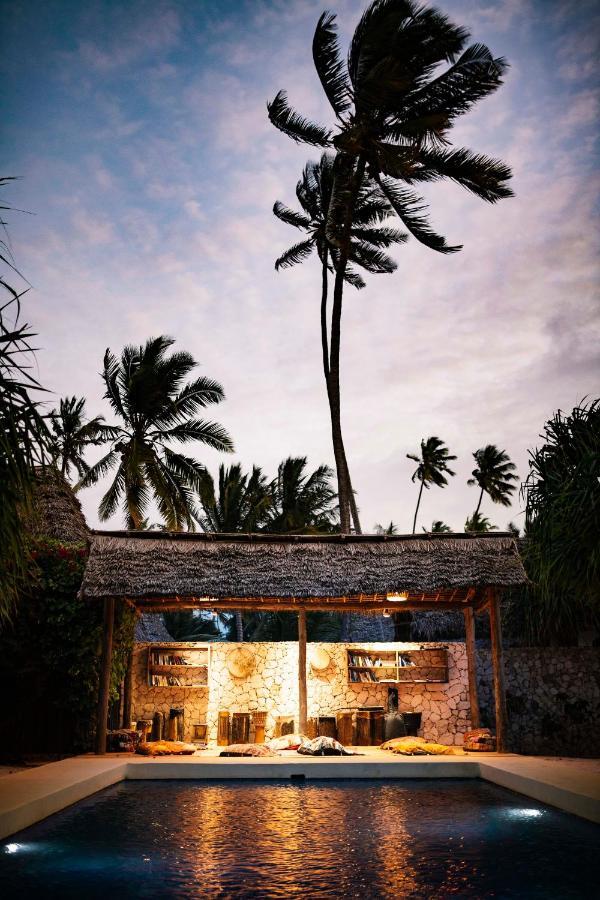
(392, 528)
(240, 504)
(494, 475)
(314, 192)
(147, 390)
(438, 527)
(303, 503)
(394, 108)
(432, 464)
(71, 435)
(479, 524)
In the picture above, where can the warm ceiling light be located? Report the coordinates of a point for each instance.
(206, 599)
(386, 614)
(397, 598)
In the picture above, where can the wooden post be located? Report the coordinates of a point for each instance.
(105, 667)
(127, 691)
(302, 703)
(498, 670)
(472, 666)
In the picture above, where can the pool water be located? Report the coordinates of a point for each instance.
(392, 839)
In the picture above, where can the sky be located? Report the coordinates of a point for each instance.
(148, 171)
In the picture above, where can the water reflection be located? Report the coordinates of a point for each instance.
(318, 840)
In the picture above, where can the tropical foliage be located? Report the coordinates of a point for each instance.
(239, 503)
(562, 545)
(479, 524)
(23, 431)
(72, 434)
(303, 502)
(146, 389)
(438, 527)
(432, 468)
(408, 76)
(494, 475)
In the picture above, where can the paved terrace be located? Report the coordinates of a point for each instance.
(28, 796)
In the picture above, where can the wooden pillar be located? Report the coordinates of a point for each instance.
(105, 667)
(472, 666)
(498, 670)
(127, 691)
(302, 702)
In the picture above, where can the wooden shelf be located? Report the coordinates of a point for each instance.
(422, 666)
(192, 660)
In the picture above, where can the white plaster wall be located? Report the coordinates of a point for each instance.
(273, 687)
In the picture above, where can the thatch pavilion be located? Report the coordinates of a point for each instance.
(159, 571)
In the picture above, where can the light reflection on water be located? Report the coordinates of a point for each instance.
(367, 839)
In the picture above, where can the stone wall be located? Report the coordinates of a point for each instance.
(552, 698)
(273, 686)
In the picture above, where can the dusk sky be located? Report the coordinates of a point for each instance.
(149, 170)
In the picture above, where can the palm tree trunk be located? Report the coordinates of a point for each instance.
(479, 504)
(325, 349)
(334, 357)
(417, 509)
(239, 626)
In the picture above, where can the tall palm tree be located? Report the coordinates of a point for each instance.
(392, 528)
(147, 390)
(394, 105)
(314, 192)
(479, 524)
(72, 435)
(240, 503)
(494, 475)
(303, 502)
(432, 468)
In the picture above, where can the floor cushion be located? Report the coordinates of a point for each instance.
(247, 750)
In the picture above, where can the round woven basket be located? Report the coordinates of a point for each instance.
(240, 663)
(320, 659)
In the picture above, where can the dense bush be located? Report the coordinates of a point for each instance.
(50, 656)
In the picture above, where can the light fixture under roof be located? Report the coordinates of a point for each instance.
(396, 597)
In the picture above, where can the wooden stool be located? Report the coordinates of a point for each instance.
(259, 720)
(326, 726)
(284, 725)
(311, 727)
(143, 726)
(240, 728)
(344, 727)
(363, 728)
(223, 728)
(377, 726)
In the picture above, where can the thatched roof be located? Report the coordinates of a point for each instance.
(56, 511)
(144, 566)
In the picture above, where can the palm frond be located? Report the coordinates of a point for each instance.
(380, 237)
(482, 175)
(296, 254)
(289, 216)
(209, 433)
(299, 129)
(370, 258)
(329, 65)
(410, 208)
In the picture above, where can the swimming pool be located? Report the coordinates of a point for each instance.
(367, 839)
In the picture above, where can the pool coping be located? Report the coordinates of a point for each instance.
(28, 797)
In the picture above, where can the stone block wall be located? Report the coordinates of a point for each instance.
(273, 686)
(552, 698)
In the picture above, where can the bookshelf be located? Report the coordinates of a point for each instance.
(428, 664)
(172, 666)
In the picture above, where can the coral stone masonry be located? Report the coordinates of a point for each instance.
(272, 687)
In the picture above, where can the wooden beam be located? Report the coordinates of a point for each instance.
(498, 669)
(287, 606)
(472, 666)
(302, 698)
(105, 667)
(128, 691)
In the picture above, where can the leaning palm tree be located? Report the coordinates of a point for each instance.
(147, 390)
(479, 524)
(240, 503)
(494, 475)
(409, 74)
(72, 435)
(303, 502)
(432, 468)
(369, 239)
